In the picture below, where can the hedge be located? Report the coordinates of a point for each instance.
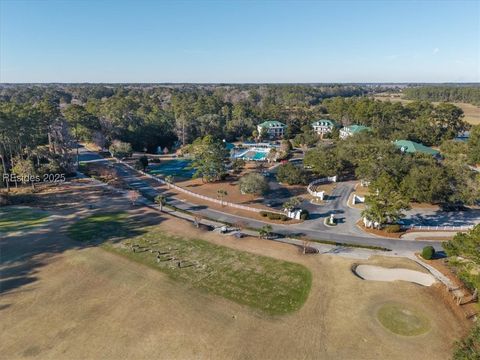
(274, 216)
(392, 228)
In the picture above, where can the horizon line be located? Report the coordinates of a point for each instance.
(240, 83)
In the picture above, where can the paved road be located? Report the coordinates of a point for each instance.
(336, 203)
(345, 232)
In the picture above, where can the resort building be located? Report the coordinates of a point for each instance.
(323, 126)
(351, 130)
(411, 147)
(271, 129)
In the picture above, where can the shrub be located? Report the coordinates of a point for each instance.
(304, 215)
(238, 165)
(428, 252)
(120, 149)
(469, 347)
(274, 216)
(142, 163)
(392, 228)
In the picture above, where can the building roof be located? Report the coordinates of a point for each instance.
(414, 147)
(271, 124)
(353, 129)
(327, 121)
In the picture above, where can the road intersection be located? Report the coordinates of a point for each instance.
(345, 232)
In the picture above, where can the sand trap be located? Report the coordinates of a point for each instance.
(378, 273)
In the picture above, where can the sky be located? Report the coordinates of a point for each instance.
(239, 41)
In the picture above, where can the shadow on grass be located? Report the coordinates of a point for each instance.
(104, 227)
(23, 254)
(16, 219)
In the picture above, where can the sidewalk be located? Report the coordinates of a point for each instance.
(429, 235)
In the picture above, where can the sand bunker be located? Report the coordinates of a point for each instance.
(378, 273)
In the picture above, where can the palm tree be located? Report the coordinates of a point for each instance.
(221, 193)
(161, 201)
(265, 231)
(169, 179)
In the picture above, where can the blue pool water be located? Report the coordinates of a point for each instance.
(259, 155)
(256, 155)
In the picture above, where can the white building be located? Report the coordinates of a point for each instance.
(323, 126)
(348, 131)
(271, 129)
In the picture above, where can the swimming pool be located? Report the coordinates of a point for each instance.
(253, 154)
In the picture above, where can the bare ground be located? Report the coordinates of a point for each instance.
(83, 302)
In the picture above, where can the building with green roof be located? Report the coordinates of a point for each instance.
(413, 147)
(323, 126)
(352, 130)
(271, 129)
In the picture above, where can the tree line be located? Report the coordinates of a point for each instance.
(395, 178)
(40, 124)
(465, 94)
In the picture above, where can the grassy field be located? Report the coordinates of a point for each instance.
(15, 219)
(403, 320)
(273, 286)
(100, 227)
(471, 112)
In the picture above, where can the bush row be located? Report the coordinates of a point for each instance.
(392, 228)
(274, 216)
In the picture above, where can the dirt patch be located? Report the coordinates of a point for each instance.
(466, 308)
(438, 238)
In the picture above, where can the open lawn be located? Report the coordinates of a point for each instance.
(100, 227)
(471, 112)
(402, 320)
(16, 219)
(273, 286)
(71, 299)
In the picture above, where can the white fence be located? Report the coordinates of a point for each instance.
(320, 181)
(358, 199)
(191, 193)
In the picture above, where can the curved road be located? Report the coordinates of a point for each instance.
(345, 232)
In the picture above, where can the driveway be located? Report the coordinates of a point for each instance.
(312, 228)
(346, 231)
(336, 204)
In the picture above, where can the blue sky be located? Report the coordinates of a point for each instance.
(244, 41)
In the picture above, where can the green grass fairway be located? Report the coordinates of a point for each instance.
(403, 320)
(276, 287)
(100, 227)
(15, 219)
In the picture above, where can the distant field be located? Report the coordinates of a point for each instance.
(472, 112)
(276, 287)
